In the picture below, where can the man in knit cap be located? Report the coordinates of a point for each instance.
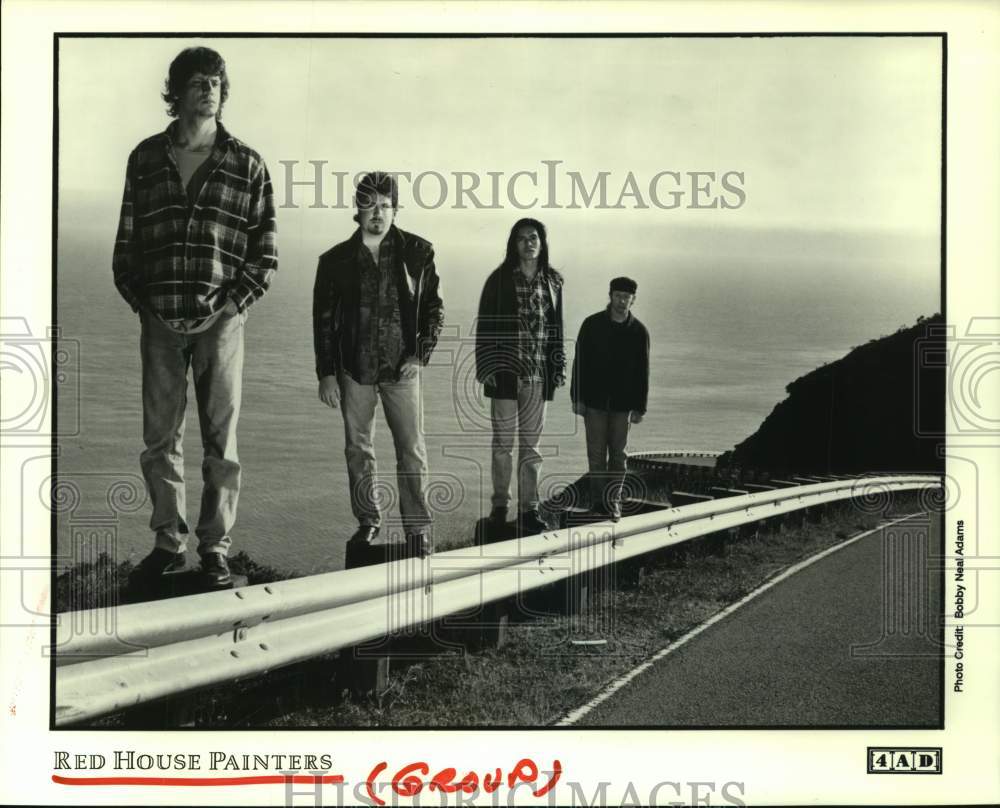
(609, 389)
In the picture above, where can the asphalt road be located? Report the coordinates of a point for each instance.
(847, 641)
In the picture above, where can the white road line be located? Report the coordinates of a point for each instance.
(572, 717)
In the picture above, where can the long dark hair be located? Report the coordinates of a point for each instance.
(188, 62)
(512, 259)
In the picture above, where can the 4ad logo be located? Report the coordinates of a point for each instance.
(902, 760)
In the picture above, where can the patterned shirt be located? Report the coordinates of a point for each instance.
(380, 345)
(183, 259)
(533, 308)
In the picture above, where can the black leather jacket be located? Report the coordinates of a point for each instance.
(337, 299)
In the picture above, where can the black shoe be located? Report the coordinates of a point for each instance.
(365, 535)
(419, 544)
(498, 517)
(531, 523)
(215, 569)
(159, 561)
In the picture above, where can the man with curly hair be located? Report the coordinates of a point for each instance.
(196, 247)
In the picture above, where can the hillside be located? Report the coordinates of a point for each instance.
(879, 408)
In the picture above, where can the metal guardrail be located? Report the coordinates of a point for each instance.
(665, 453)
(168, 647)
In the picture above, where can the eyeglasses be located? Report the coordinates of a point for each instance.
(212, 83)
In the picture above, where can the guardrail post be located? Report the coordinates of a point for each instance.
(770, 524)
(487, 626)
(363, 676)
(493, 629)
(578, 595)
(751, 529)
(718, 543)
(681, 498)
(571, 596)
(364, 669)
(630, 573)
(177, 584)
(794, 519)
(173, 712)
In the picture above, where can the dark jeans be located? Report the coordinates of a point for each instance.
(215, 358)
(607, 438)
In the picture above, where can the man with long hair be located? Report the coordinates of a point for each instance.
(196, 247)
(520, 361)
(376, 319)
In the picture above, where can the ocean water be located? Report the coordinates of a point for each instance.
(727, 336)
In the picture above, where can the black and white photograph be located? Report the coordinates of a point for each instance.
(547, 389)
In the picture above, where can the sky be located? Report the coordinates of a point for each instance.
(835, 142)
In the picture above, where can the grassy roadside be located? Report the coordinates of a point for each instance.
(548, 665)
(540, 674)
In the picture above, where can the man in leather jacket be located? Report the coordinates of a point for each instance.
(376, 319)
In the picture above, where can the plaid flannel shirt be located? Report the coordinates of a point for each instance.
(533, 307)
(184, 260)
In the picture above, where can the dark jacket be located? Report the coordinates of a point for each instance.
(611, 365)
(497, 336)
(337, 301)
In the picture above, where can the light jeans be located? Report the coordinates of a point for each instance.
(403, 414)
(607, 439)
(215, 358)
(526, 416)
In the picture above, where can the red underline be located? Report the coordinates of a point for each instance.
(310, 779)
